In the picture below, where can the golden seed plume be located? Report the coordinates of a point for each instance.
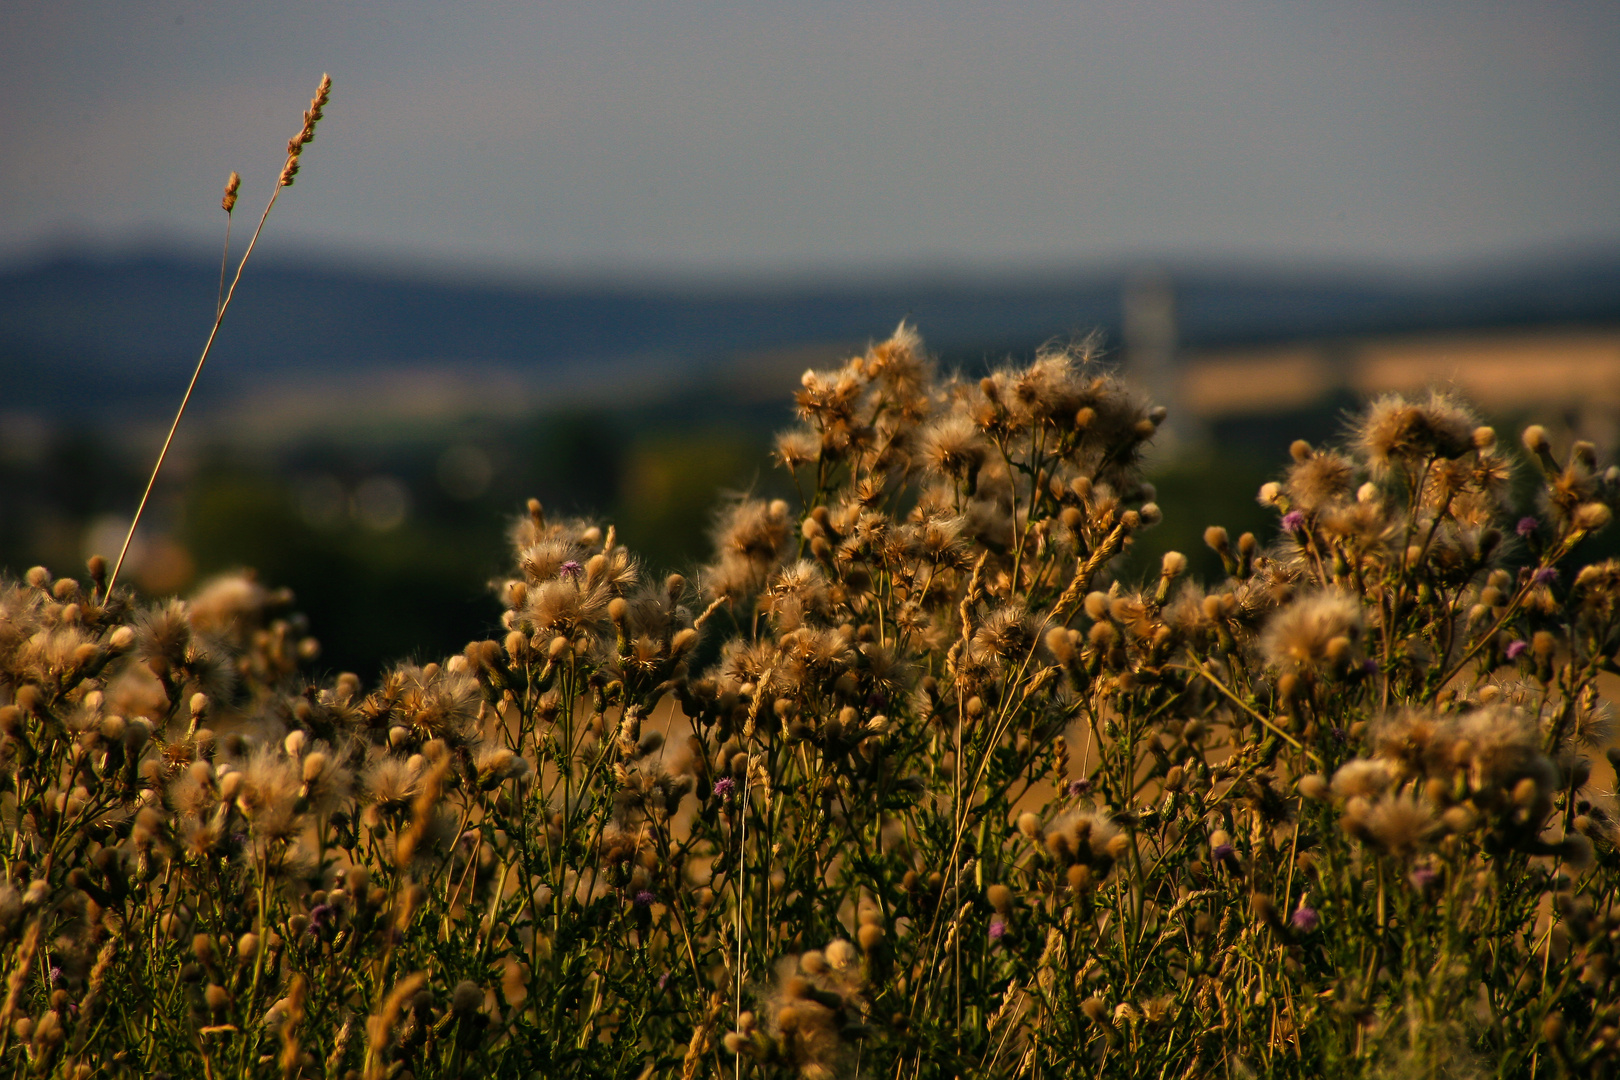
(306, 135)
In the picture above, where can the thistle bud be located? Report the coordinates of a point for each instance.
(467, 998)
(841, 954)
(517, 646)
(1592, 516)
(1576, 851)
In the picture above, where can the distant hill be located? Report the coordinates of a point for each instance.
(81, 333)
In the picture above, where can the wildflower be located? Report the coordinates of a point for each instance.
(797, 447)
(954, 447)
(571, 569)
(1318, 479)
(998, 928)
(841, 954)
(724, 787)
(1396, 430)
(1591, 516)
(1399, 823)
(1544, 575)
(1361, 778)
(467, 998)
(1517, 648)
(751, 537)
(1313, 786)
(1315, 631)
(1527, 527)
(645, 898)
(1424, 878)
(1304, 919)
(1293, 521)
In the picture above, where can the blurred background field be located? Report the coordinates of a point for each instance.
(368, 454)
(583, 252)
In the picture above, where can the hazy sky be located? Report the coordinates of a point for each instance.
(819, 134)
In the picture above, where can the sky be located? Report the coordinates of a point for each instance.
(739, 138)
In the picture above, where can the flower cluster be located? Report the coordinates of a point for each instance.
(908, 780)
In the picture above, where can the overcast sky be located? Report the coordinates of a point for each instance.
(680, 135)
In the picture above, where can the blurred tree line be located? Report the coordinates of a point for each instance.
(389, 544)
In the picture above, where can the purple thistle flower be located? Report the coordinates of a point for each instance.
(1527, 527)
(998, 928)
(723, 788)
(1517, 649)
(1224, 853)
(1545, 575)
(570, 569)
(1423, 878)
(1304, 920)
(320, 916)
(1293, 521)
(646, 898)
(1079, 787)
(663, 981)
(56, 976)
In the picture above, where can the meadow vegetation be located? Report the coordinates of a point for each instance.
(908, 781)
(902, 783)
